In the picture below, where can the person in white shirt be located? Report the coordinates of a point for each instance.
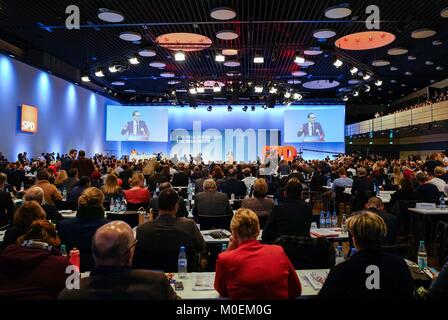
(434, 178)
(248, 179)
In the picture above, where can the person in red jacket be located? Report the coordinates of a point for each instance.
(251, 270)
(138, 194)
(33, 268)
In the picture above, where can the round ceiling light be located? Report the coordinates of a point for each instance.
(158, 64)
(393, 68)
(393, 81)
(298, 73)
(312, 52)
(423, 33)
(230, 52)
(411, 58)
(380, 63)
(130, 36)
(321, 84)
(232, 63)
(110, 15)
(233, 74)
(118, 83)
(306, 63)
(444, 13)
(209, 84)
(354, 81)
(324, 34)
(365, 40)
(338, 12)
(294, 81)
(437, 43)
(147, 53)
(223, 14)
(408, 73)
(429, 63)
(397, 51)
(227, 35)
(167, 75)
(184, 41)
(173, 82)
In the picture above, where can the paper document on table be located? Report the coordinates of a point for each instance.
(316, 278)
(203, 281)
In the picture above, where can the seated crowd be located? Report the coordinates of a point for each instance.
(270, 211)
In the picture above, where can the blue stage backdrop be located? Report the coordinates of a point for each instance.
(220, 133)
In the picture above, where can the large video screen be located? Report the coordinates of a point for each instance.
(137, 123)
(314, 124)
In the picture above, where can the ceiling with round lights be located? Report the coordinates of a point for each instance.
(365, 40)
(321, 84)
(156, 33)
(184, 41)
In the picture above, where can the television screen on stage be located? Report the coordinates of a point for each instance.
(137, 123)
(314, 124)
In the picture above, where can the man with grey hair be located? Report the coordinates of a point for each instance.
(210, 202)
(112, 278)
(37, 194)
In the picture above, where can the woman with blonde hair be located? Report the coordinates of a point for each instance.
(355, 277)
(251, 270)
(261, 205)
(396, 176)
(111, 189)
(34, 262)
(138, 194)
(61, 178)
(77, 232)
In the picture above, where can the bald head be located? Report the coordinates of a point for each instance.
(36, 194)
(112, 244)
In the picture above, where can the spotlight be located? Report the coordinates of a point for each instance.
(220, 58)
(209, 109)
(299, 59)
(99, 74)
(258, 59)
(200, 89)
(378, 83)
(273, 90)
(356, 93)
(297, 96)
(253, 108)
(229, 108)
(353, 70)
(179, 56)
(193, 90)
(216, 87)
(258, 89)
(345, 98)
(287, 95)
(366, 76)
(245, 108)
(367, 88)
(85, 79)
(113, 69)
(338, 63)
(134, 60)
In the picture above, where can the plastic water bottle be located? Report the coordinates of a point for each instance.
(182, 263)
(328, 220)
(74, 258)
(157, 188)
(377, 190)
(123, 207)
(353, 252)
(64, 193)
(322, 220)
(339, 255)
(344, 223)
(334, 220)
(112, 205)
(224, 247)
(63, 251)
(22, 186)
(422, 256)
(442, 202)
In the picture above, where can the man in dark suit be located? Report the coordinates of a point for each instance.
(311, 129)
(154, 203)
(66, 162)
(112, 278)
(233, 186)
(211, 202)
(290, 218)
(369, 274)
(137, 128)
(376, 206)
(84, 165)
(167, 233)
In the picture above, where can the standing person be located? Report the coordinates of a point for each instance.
(66, 162)
(312, 128)
(84, 165)
(136, 129)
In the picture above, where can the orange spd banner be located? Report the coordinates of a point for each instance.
(28, 121)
